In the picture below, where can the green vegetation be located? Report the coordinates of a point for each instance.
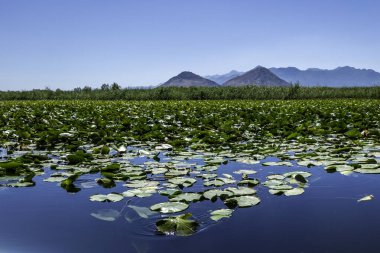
(174, 152)
(195, 93)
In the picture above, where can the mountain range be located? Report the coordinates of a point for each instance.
(339, 77)
(257, 76)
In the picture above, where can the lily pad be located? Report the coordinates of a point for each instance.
(242, 201)
(294, 192)
(220, 214)
(180, 225)
(169, 207)
(366, 198)
(187, 197)
(112, 197)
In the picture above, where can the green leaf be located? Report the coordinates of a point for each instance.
(180, 225)
(187, 197)
(220, 214)
(294, 192)
(242, 201)
(169, 207)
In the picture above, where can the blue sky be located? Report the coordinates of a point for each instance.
(70, 43)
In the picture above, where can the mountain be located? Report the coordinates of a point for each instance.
(339, 77)
(257, 76)
(220, 79)
(189, 79)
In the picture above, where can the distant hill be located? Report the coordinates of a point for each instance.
(339, 77)
(257, 76)
(220, 79)
(189, 79)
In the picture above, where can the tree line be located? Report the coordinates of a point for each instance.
(116, 92)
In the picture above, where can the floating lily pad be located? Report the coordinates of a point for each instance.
(180, 225)
(242, 201)
(220, 214)
(141, 184)
(289, 164)
(112, 197)
(140, 192)
(169, 207)
(241, 191)
(187, 197)
(248, 172)
(366, 198)
(294, 192)
(182, 181)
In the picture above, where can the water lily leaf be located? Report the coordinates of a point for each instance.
(182, 181)
(215, 182)
(249, 182)
(180, 225)
(106, 214)
(208, 176)
(220, 214)
(214, 193)
(21, 184)
(156, 171)
(289, 164)
(242, 201)
(247, 161)
(170, 192)
(309, 163)
(294, 192)
(54, 179)
(294, 173)
(140, 192)
(276, 176)
(141, 184)
(187, 197)
(169, 207)
(176, 172)
(241, 191)
(99, 197)
(112, 197)
(164, 147)
(227, 176)
(366, 198)
(368, 171)
(248, 172)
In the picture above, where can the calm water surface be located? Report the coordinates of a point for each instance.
(326, 218)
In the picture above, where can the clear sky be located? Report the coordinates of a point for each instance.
(70, 43)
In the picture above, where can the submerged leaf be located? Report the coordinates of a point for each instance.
(106, 214)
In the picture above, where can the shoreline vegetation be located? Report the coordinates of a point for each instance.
(115, 92)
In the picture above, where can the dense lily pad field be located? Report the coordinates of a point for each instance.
(173, 152)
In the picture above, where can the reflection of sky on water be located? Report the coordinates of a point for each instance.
(326, 218)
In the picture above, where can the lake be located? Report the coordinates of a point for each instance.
(326, 218)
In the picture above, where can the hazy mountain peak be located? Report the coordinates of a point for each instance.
(257, 76)
(189, 79)
(338, 77)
